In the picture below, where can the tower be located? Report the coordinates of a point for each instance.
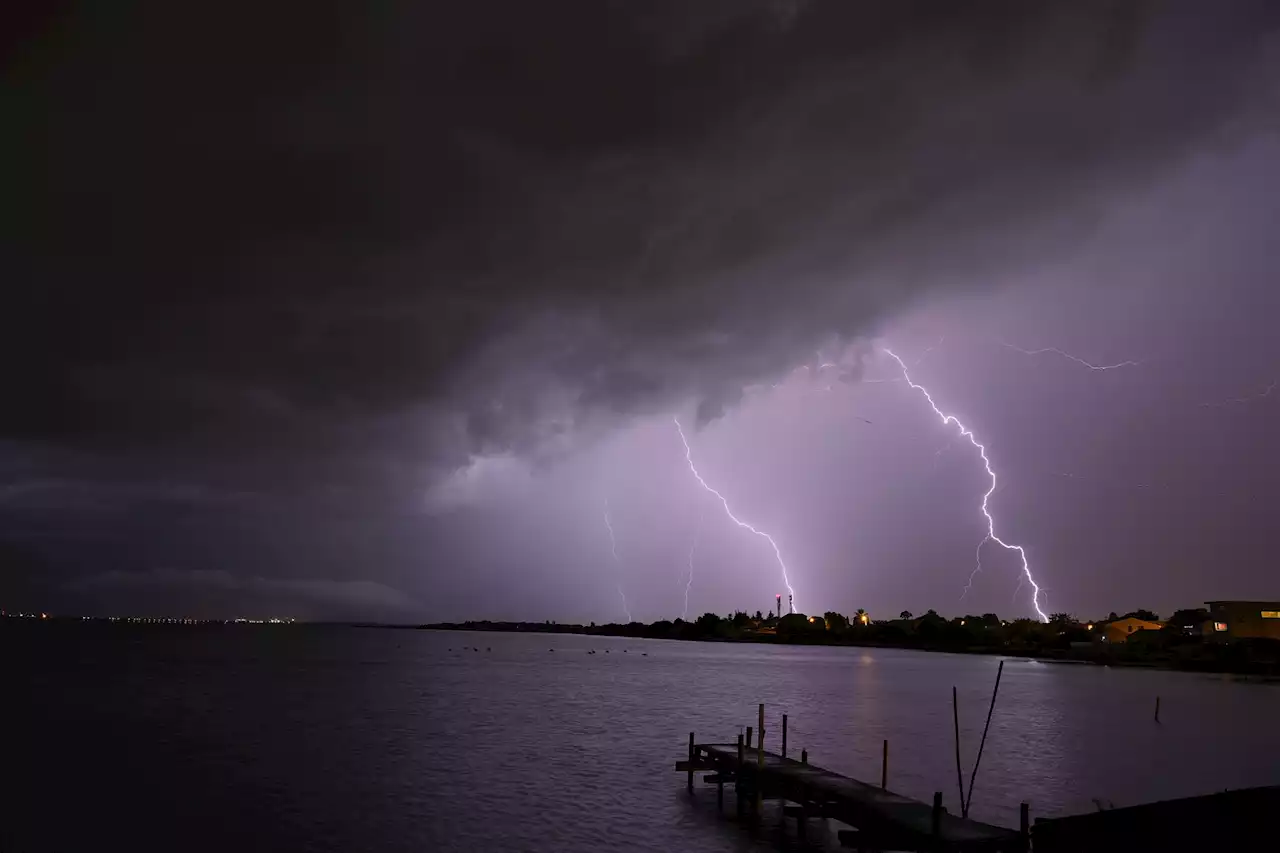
(777, 610)
(791, 607)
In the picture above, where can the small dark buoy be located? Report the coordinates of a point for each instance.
(551, 650)
(606, 651)
(488, 648)
(644, 654)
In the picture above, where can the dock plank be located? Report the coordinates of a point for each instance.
(874, 810)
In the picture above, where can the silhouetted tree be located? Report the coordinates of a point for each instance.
(1148, 615)
(836, 621)
(906, 614)
(759, 618)
(860, 617)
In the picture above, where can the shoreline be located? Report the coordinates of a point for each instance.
(1112, 656)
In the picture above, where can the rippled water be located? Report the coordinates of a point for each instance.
(346, 739)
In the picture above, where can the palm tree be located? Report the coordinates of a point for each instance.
(861, 616)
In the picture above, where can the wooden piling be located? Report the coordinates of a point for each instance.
(1024, 825)
(804, 756)
(884, 767)
(737, 777)
(1157, 709)
(692, 756)
(748, 737)
(760, 761)
(784, 735)
(935, 817)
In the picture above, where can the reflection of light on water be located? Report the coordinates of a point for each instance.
(866, 659)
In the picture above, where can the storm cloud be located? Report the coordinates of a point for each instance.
(393, 261)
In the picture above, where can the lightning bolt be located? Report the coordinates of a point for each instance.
(986, 463)
(613, 546)
(697, 530)
(1075, 358)
(1263, 394)
(688, 457)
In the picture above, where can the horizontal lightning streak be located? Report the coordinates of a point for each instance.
(986, 463)
(1262, 395)
(688, 457)
(1075, 358)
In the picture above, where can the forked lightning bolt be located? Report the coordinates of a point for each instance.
(688, 457)
(982, 452)
(613, 546)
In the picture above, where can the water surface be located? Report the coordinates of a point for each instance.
(296, 738)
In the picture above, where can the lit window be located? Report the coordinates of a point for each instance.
(1271, 614)
(1219, 626)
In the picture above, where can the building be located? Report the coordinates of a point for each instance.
(1239, 619)
(1120, 630)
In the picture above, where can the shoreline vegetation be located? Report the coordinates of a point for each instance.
(1062, 639)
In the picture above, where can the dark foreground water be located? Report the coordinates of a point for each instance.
(289, 738)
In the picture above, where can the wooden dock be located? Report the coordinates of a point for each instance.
(880, 819)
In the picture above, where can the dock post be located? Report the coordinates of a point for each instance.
(935, 818)
(692, 754)
(737, 776)
(884, 767)
(1157, 709)
(1024, 825)
(760, 763)
(784, 735)
(804, 756)
(748, 737)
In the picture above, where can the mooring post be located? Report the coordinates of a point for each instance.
(935, 817)
(760, 762)
(884, 767)
(692, 752)
(737, 776)
(1024, 825)
(784, 735)
(1157, 709)
(804, 756)
(748, 737)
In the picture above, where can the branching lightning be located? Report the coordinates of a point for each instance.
(1075, 358)
(688, 456)
(986, 462)
(613, 546)
(693, 547)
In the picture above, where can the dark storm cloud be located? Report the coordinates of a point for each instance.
(308, 244)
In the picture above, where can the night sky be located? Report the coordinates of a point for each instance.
(336, 310)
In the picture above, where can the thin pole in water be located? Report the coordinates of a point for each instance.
(884, 767)
(955, 714)
(784, 735)
(1157, 709)
(692, 753)
(974, 775)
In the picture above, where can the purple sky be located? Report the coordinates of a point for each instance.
(371, 321)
